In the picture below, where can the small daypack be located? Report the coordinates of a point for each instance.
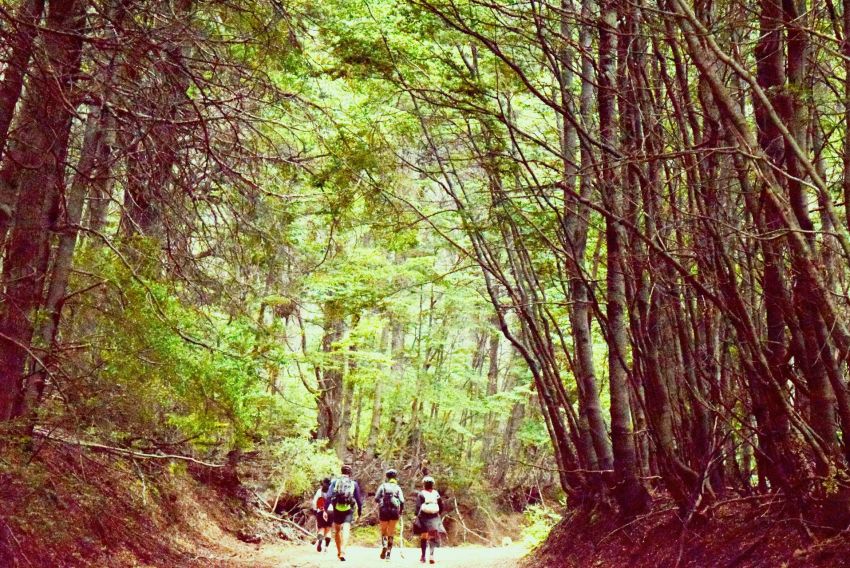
(343, 496)
(430, 503)
(390, 501)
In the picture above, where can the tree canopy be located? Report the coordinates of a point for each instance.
(594, 247)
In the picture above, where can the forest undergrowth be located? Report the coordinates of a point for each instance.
(749, 532)
(72, 506)
(64, 507)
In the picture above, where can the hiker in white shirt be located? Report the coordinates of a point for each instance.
(429, 523)
(323, 524)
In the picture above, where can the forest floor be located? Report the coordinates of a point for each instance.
(72, 509)
(305, 556)
(75, 508)
(740, 533)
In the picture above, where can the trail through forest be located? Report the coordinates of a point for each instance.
(585, 263)
(367, 557)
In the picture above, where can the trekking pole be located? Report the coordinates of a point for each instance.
(401, 548)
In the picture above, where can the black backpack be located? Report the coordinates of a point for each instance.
(391, 500)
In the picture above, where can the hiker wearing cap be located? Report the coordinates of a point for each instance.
(428, 524)
(323, 524)
(390, 500)
(343, 495)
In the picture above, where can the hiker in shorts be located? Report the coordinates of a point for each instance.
(343, 496)
(429, 524)
(390, 499)
(323, 525)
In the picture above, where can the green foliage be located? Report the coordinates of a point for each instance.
(366, 535)
(538, 522)
(177, 372)
(298, 464)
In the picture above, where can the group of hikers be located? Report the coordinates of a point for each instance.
(336, 499)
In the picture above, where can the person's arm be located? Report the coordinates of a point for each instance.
(401, 498)
(439, 505)
(358, 497)
(379, 494)
(330, 498)
(419, 501)
(315, 502)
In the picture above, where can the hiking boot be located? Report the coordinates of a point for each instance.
(432, 561)
(389, 551)
(319, 545)
(422, 559)
(383, 553)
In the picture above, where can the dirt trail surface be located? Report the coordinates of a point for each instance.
(361, 557)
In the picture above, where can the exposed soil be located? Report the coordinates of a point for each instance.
(67, 508)
(754, 533)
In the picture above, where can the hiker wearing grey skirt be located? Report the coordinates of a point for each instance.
(429, 523)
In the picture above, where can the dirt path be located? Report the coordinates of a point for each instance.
(305, 556)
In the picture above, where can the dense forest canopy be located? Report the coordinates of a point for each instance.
(601, 246)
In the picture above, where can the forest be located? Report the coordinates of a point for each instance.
(586, 262)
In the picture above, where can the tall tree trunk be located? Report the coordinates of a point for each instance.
(794, 112)
(26, 21)
(350, 367)
(331, 375)
(845, 51)
(575, 223)
(377, 395)
(91, 166)
(630, 493)
(27, 18)
(490, 430)
(38, 174)
(341, 442)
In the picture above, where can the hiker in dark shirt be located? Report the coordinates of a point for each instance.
(344, 494)
(390, 499)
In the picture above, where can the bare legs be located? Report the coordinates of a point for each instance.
(387, 536)
(428, 541)
(341, 534)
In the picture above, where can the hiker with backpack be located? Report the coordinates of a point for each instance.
(428, 523)
(343, 495)
(323, 525)
(390, 499)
